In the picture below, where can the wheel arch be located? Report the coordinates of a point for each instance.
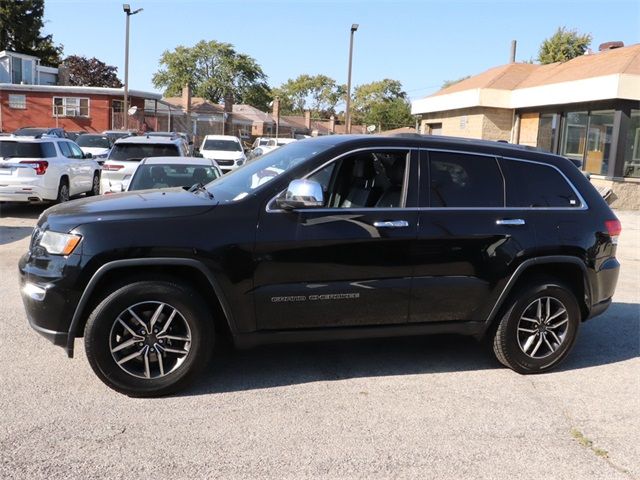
(570, 270)
(105, 276)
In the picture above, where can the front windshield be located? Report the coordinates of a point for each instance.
(241, 182)
(222, 145)
(95, 141)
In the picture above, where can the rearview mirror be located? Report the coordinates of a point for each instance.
(301, 194)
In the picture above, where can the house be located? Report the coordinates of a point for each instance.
(587, 109)
(21, 69)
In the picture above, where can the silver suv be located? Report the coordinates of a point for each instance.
(127, 152)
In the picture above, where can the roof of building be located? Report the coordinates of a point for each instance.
(78, 90)
(198, 105)
(596, 76)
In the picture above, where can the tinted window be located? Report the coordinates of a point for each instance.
(222, 145)
(75, 150)
(96, 141)
(65, 149)
(459, 180)
(10, 149)
(138, 151)
(535, 185)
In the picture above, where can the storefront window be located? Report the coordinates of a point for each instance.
(599, 142)
(575, 135)
(547, 131)
(632, 150)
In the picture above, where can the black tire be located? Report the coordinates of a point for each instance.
(63, 191)
(95, 185)
(137, 377)
(516, 334)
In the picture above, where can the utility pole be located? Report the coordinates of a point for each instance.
(127, 10)
(512, 57)
(347, 113)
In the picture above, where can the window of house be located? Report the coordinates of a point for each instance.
(70, 107)
(632, 148)
(548, 131)
(462, 180)
(536, 185)
(574, 135)
(599, 142)
(16, 70)
(18, 101)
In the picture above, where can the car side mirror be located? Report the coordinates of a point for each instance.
(301, 194)
(88, 155)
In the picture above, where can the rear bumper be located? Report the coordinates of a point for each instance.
(603, 286)
(25, 192)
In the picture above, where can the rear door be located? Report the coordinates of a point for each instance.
(348, 263)
(467, 240)
(84, 168)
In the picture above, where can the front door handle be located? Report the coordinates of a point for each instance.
(391, 224)
(510, 221)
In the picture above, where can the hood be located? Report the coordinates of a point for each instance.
(221, 155)
(138, 205)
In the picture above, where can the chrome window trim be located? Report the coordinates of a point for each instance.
(335, 159)
(583, 204)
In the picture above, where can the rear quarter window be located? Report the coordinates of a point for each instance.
(531, 185)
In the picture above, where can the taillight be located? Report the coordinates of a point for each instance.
(112, 167)
(614, 227)
(40, 166)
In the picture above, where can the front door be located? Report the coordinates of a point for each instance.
(348, 263)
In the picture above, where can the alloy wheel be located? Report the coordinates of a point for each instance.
(542, 328)
(150, 340)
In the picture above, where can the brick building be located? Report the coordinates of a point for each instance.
(587, 109)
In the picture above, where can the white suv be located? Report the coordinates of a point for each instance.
(226, 150)
(127, 152)
(45, 169)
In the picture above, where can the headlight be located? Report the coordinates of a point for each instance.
(59, 243)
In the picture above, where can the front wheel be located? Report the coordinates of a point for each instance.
(149, 338)
(539, 328)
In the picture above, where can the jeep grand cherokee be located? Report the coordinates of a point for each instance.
(329, 238)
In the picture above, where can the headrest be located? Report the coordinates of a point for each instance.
(363, 168)
(396, 172)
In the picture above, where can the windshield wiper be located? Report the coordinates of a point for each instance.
(199, 187)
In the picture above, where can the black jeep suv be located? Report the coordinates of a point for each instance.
(329, 238)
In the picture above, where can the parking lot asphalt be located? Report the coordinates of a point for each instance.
(433, 407)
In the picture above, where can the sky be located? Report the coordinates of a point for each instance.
(420, 43)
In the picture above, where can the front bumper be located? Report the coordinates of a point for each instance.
(48, 300)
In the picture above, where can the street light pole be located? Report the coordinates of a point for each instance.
(127, 10)
(347, 113)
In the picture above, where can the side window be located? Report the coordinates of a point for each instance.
(371, 179)
(461, 180)
(536, 185)
(75, 150)
(48, 150)
(65, 149)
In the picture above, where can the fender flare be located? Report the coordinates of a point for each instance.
(522, 268)
(143, 262)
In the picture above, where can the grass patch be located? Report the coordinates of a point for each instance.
(588, 443)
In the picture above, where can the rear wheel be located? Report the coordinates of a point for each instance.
(149, 338)
(63, 191)
(95, 185)
(539, 328)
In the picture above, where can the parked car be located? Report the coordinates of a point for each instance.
(36, 132)
(226, 150)
(169, 172)
(45, 169)
(74, 135)
(185, 137)
(117, 134)
(97, 145)
(268, 146)
(126, 153)
(354, 236)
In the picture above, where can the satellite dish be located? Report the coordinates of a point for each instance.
(371, 128)
(132, 110)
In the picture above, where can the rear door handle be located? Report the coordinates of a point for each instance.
(391, 224)
(510, 221)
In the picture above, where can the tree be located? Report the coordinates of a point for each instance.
(317, 93)
(212, 70)
(382, 103)
(448, 83)
(91, 72)
(563, 45)
(20, 30)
